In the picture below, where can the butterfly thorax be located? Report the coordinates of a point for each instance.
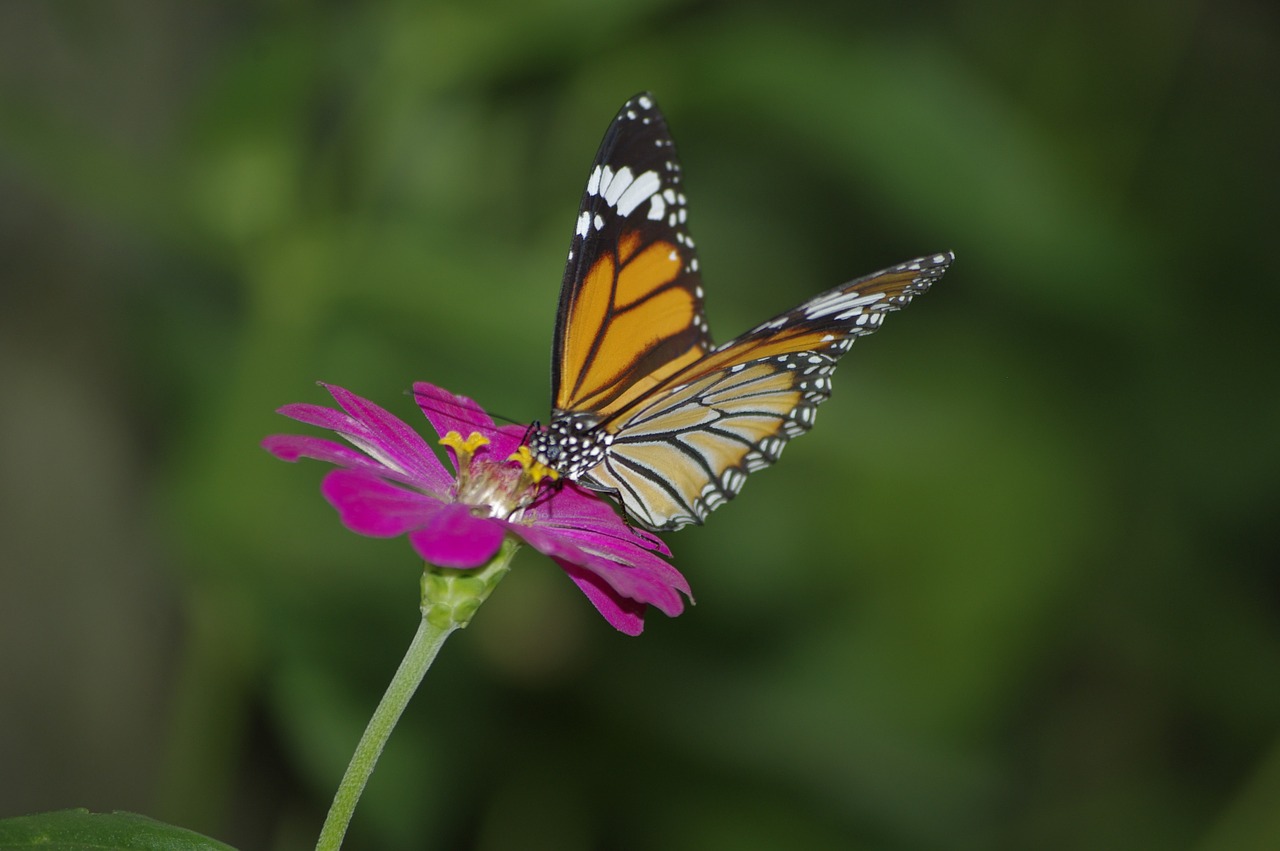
(571, 444)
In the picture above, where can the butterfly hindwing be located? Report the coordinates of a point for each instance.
(688, 446)
(631, 302)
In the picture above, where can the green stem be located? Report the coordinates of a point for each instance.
(421, 653)
(449, 600)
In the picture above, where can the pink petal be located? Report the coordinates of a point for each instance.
(388, 439)
(505, 440)
(318, 415)
(454, 537)
(631, 571)
(291, 447)
(575, 507)
(612, 551)
(372, 506)
(623, 614)
(448, 412)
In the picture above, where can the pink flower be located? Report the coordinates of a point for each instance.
(393, 484)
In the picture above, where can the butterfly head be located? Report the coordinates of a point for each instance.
(571, 444)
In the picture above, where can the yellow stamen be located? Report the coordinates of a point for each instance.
(533, 468)
(464, 448)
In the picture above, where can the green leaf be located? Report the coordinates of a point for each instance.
(77, 829)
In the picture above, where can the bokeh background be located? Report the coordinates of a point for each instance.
(1019, 588)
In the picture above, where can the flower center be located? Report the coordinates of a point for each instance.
(494, 488)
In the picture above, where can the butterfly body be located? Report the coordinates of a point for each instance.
(646, 407)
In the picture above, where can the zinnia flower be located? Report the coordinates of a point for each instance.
(392, 484)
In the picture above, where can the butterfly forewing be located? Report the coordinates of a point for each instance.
(631, 302)
(688, 447)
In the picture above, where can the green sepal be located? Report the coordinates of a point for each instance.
(450, 597)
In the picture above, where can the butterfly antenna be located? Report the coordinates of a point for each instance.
(463, 413)
(504, 418)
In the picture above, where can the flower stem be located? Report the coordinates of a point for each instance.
(421, 653)
(449, 600)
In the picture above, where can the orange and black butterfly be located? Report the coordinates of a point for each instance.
(646, 407)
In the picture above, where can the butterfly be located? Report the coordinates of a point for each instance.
(645, 407)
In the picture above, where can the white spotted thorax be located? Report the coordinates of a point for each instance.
(646, 407)
(571, 444)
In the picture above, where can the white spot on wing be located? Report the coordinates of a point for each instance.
(657, 208)
(839, 302)
(620, 183)
(641, 189)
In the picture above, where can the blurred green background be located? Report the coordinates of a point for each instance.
(1019, 589)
